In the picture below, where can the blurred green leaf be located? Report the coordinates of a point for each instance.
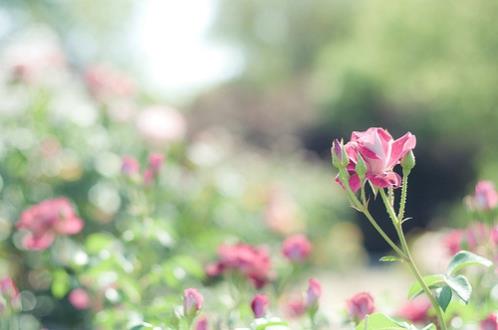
(60, 283)
(461, 286)
(465, 258)
(432, 281)
(379, 321)
(97, 242)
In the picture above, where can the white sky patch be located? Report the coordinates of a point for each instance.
(173, 50)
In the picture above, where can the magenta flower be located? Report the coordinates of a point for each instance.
(155, 161)
(490, 323)
(46, 220)
(130, 166)
(192, 301)
(380, 152)
(416, 311)
(252, 262)
(296, 248)
(202, 323)
(79, 298)
(485, 197)
(360, 305)
(313, 293)
(259, 304)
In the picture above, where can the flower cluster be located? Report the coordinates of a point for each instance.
(45, 221)
(250, 261)
(130, 167)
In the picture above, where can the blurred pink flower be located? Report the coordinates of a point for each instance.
(485, 197)
(295, 308)
(468, 239)
(46, 220)
(130, 166)
(9, 294)
(202, 323)
(313, 293)
(79, 298)
(296, 248)
(192, 301)
(252, 262)
(360, 305)
(152, 172)
(490, 323)
(453, 241)
(281, 213)
(161, 125)
(106, 83)
(259, 304)
(416, 311)
(381, 153)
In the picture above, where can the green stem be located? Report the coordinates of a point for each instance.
(411, 262)
(402, 202)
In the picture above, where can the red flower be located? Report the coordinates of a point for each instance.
(252, 262)
(416, 310)
(380, 152)
(259, 304)
(490, 323)
(296, 248)
(46, 220)
(360, 305)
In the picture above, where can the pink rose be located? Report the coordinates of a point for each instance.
(202, 323)
(416, 311)
(44, 221)
(192, 301)
(490, 323)
(313, 293)
(485, 196)
(79, 299)
(259, 304)
(360, 305)
(296, 248)
(381, 154)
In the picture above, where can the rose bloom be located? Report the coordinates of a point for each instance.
(252, 262)
(296, 248)
(161, 125)
(416, 311)
(46, 220)
(360, 305)
(79, 299)
(381, 154)
(485, 197)
(490, 323)
(192, 301)
(106, 83)
(313, 293)
(259, 304)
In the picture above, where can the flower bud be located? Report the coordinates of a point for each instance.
(296, 248)
(202, 323)
(155, 162)
(408, 162)
(192, 302)
(129, 166)
(313, 293)
(360, 305)
(339, 156)
(489, 323)
(361, 168)
(259, 304)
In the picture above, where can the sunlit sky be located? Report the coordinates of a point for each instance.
(172, 44)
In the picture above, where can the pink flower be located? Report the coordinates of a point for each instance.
(202, 323)
(44, 221)
(250, 261)
(106, 83)
(79, 298)
(485, 196)
(381, 154)
(313, 293)
(160, 125)
(453, 241)
(155, 161)
(490, 323)
(416, 311)
(9, 294)
(296, 248)
(130, 166)
(192, 301)
(360, 305)
(467, 239)
(259, 304)
(295, 308)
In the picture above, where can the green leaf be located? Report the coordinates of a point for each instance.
(269, 324)
(390, 259)
(461, 286)
(60, 283)
(465, 258)
(379, 321)
(141, 326)
(432, 281)
(444, 297)
(430, 326)
(97, 242)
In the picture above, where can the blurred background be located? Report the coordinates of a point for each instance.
(264, 87)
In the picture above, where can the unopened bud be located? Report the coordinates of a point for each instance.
(408, 162)
(339, 156)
